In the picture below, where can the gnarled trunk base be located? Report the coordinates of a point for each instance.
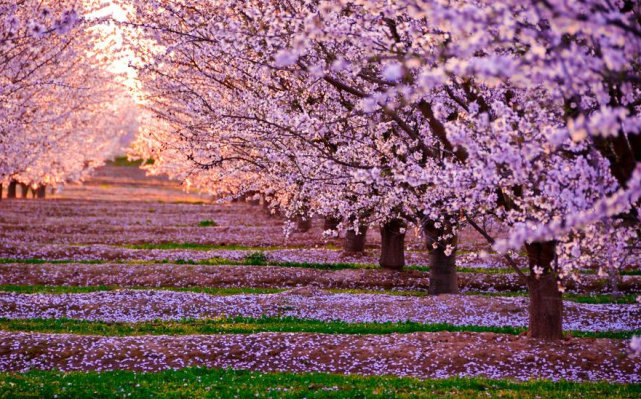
(443, 275)
(303, 224)
(253, 198)
(392, 245)
(546, 301)
(355, 242)
(331, 223)
(266, 206)
(25, 191)
(41, 192)
(546, 308)
(275, 211)
(12, 191)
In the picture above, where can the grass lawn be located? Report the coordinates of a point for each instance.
(224, 383)
(125, 162)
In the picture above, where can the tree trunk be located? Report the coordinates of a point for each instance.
(355, 242)
(303, 223)
(264, 204)
(392, 245)
(546, 301)
(25, 191)
(274, 211)
(331, 223)
(42, 191)
(613, 276)
(13, 189)
(443, 276)
(251, 198)
(1, 191)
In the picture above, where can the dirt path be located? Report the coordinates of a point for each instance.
(430, 355)
(169, 275)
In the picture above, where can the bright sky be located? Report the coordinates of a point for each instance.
(120, 65)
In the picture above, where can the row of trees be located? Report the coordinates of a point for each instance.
(411, 114)
(60, 113)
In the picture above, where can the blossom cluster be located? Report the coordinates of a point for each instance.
(432, 113)
(60, 107)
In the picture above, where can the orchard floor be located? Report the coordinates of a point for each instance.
(130, 273)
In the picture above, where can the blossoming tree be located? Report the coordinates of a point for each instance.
(48, 52)
(412, 113)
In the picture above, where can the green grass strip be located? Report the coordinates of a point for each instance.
(260, 259)
(243, 325)
(207, 223)
(623, 299)
(200, 383)
(203, 247)
(252, 259)
(125, 162)
(593, 299)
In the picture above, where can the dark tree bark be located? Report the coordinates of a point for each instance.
(251, 200)
(392, 245)
(614, 276)
(303, 223)
(25, 191)
(443, 276)
(265, 205)
(41, 192)
(331, 223)
(274, 211)
(546, 301)
(355, 242)
(12, 191)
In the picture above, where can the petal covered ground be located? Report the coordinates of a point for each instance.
(308, 303)
(429, 355)
(146, 233)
